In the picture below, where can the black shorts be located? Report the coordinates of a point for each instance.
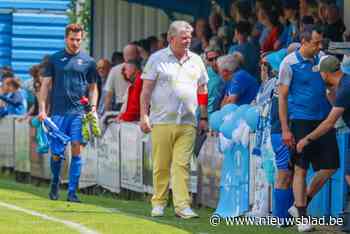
(322, 153)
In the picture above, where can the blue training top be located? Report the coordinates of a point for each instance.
(307, 91)
(71, 76)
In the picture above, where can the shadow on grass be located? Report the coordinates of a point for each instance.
(139, 209)
(113, 204)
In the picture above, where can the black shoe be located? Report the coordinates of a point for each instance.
(73, 198)
(54, 195)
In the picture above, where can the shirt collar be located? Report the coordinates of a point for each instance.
(66, 53)
(303, 59)
(171, 53)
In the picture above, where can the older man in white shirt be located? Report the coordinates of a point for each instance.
(175, 84)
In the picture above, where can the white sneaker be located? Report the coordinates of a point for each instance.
(157, 211)
(186, 213)
(293, 211)
(305, 228)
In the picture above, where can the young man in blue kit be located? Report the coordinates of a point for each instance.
(70, 74)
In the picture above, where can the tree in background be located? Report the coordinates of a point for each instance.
(80, 12)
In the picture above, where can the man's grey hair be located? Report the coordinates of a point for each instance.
(228, 62)
(239, 57)
(177, 27)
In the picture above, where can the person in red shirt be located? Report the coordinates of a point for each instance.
(131, 108)
(269, 18)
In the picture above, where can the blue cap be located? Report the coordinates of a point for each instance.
(275, 58)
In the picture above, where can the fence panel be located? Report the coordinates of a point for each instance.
(108, 152)
(22, 146)
(7, 142)
(131, 157)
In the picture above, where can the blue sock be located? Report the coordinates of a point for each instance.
(282, 200)
(74, 174)
(55, 170)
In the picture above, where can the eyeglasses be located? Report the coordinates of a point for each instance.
(212, 59)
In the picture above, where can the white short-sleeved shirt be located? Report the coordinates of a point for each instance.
(174, 98)
(116, 83)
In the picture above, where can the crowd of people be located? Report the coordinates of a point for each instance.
(251, 30)
(172, 85)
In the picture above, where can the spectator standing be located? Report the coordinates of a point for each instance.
(334, 27)
(103, 69)
(130, 110)
(116, 85)
(291, 28)
(248, 49)
(215, 22)
(269, 18)
(201, 31)
(174, 83)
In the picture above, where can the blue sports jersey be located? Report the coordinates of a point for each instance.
(307, 91)
(71, 75)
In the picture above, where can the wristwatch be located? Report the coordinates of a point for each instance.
(204, 118)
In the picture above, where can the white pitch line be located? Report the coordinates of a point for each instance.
(81, 228)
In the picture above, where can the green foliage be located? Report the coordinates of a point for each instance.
(80, 13)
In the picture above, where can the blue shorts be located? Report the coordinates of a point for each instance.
(281, 152)
(71, 125)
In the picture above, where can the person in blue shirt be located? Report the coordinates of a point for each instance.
(282, 192)
(215, 83)
(13, 98)
(215, 91)
(240, 87)
(303, 105)
(338, 84)
(290, 31)
(247, 48)
(72, 75)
